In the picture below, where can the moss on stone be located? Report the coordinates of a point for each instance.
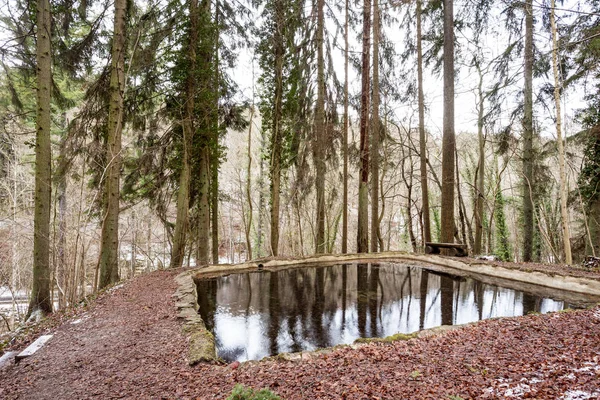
(388, 339)
(202, 347)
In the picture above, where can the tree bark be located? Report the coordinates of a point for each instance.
(528, 189)
(448, 139)
(40, 293)
(363, 186)
(422, 137)
(375, 134)
(564, 212)
(109, 248)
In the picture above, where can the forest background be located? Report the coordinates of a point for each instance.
(145, 135)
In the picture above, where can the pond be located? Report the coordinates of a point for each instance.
(257, 314)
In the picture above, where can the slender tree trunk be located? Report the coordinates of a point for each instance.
(276, 134)
(248, 227)
(422, 137)
(214, 207)
(183, 195)
(109, 247)
(593, 245)
(363, 186)
(40, 293)
(207, 122)
(375, 134)
(528, 189)
(319, 150)
(564, 212)
(448, 139)
(203, 206)
(214, 156)
(466, 229)
(345, 139)
(480, 174)
(61, 271)
(261, 199)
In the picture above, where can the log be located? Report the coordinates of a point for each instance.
(33, 347)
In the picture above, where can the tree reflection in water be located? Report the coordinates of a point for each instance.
(257, 314)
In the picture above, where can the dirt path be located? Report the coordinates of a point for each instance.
(129, 344)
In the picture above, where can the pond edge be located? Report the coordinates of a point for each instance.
(202, 347)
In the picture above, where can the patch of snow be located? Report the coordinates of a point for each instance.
(517, 391)
(80, 320)
(579, 395)
(488, 258)
(112, 289)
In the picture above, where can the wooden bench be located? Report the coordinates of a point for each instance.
(460, 250)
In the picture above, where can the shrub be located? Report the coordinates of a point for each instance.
(240, 392)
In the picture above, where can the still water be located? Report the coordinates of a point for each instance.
(254, 315)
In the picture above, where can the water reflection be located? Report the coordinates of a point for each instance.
(254, 315)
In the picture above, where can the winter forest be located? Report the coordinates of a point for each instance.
(141, 135)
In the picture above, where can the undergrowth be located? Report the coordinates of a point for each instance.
(240, 392)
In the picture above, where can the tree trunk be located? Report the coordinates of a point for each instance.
(319, 150)
(207, 122)
(276, 134)
(363, 186)
(448, 139)
(261, 198)
(214, 205)
(375, 134)
(480, 174)
(345, 139)
(40, 293)
(203, 207)
(528, 136)
(248, 226)
(422, 137)
(183, 195)
(593, 244)
(214, 156)
(109, 247)
(61, 271)
(564, 212)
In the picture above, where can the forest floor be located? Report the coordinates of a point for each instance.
(128, 343)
